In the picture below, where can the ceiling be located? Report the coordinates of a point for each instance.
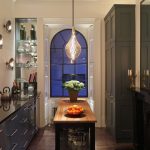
(58, 0)
(63, 0)
(103, 1)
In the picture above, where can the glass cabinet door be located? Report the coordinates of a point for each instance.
(26, 51)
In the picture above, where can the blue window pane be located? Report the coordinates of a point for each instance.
(82, 57)
(83, 92)
(69, 69)
(81, 69)
(57, 56)
(56, 88)
(53, 45)
(56, 72)
(65, 92)
(66, 35)
(60, 42)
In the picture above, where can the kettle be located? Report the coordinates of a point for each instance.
(5, 95)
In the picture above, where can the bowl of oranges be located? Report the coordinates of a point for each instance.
(74, 110)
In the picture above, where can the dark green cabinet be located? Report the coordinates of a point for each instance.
(145, 46)
(120, 57)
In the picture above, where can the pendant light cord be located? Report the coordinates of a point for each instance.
(72, 13)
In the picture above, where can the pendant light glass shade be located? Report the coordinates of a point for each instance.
(73, 48)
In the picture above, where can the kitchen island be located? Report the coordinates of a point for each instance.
(73, 132)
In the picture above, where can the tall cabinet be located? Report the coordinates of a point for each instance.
(120, 58)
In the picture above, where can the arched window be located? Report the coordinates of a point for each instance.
(62, 70)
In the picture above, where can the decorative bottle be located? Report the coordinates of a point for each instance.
(22, 32)
(33, 32)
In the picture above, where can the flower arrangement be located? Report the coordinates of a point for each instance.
(74, 85)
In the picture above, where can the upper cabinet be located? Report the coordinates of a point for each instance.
(145, 45)
(26, 50)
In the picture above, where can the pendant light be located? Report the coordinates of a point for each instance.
(73, 48)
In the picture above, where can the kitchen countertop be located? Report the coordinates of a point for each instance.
(145, 93)
(61, 116)
(10, 106)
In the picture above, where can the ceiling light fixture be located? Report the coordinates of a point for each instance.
(73, 48)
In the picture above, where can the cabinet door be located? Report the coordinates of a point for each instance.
(125, 59)
(125, 23)
(110, 115)
(145, 64)
(110, 89)
(4, 140)
(124, 116)
(108, 72)
(145, 23)
(107, 31)
(25, 50)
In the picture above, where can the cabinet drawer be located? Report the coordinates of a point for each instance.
(4, 142)
(18, 129)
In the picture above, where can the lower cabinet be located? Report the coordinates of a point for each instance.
(17, 131)
(142, 121)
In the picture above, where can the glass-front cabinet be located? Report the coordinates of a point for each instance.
(26, 52)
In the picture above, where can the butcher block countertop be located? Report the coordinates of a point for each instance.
(62, 117)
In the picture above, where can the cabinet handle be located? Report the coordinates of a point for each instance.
(25, 120)
(14, 118)
(14, 132)
(25, 144)
(14, 146)
(26, 108)
(1, 132)
(25, 132)
(33, 132)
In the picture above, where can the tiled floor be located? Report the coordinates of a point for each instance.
(45, 140)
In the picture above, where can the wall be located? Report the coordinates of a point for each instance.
(54, 9)
(6, 76)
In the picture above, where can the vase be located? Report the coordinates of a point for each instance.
(73, 95)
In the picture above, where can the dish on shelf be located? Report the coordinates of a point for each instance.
(74, 110)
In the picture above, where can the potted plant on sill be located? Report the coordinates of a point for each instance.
(73, 87)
